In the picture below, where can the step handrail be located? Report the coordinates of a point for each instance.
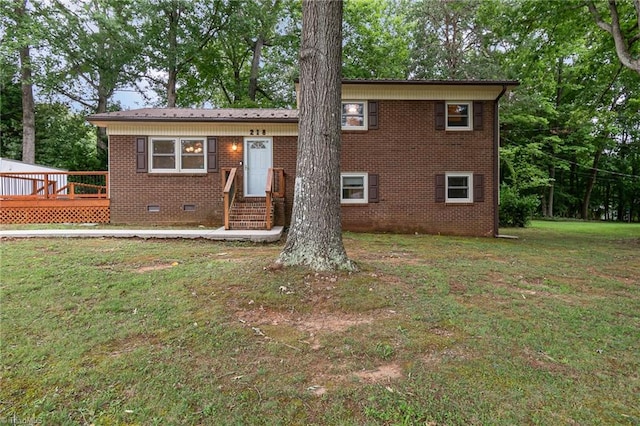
(273, 191)
(268, 192)
(229, 194)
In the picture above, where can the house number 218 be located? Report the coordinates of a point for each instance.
(257, 132)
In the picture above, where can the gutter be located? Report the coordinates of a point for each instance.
(496, 162)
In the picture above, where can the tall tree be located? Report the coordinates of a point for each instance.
(248, 63)
(65, 139)
(92, 47)
(18, 36)
(315, 236)
(448, 39)
(28, 104)
(176, 32)
(10, 111)
(564, 121)
(375, 39)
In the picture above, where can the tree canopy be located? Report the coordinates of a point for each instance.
(569, 132)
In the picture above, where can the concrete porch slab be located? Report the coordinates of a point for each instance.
(219, 234)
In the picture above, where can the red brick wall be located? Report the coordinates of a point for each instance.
(132, 192)
(406, 152)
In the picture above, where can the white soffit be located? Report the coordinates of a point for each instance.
(421, 92)
(156, 128)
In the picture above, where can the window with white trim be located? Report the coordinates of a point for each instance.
(354, 188)
(459, 187)
(178, 155)
(459, 116)
(354, 115)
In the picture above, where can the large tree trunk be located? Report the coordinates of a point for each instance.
(590, 183)
(102, 141)
(28, 104)
(28, 109)
(255, 67)
(171, 88)
(315, 236)
(550, 193)
(172, 79)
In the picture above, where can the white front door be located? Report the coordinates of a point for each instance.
(258, 159)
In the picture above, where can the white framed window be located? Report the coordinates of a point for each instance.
(354, 188)
(459, 187)
(459, 116)
(177, 155)
(354, 115)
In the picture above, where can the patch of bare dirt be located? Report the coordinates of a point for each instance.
(541, 361)
(317, 322)
(384, 373)
(118, 347)
(436, 357)
(157, 267)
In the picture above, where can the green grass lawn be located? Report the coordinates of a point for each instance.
(433, 330)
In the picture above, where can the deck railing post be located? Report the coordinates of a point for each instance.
(46, 185)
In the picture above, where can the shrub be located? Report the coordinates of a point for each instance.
(516, 209)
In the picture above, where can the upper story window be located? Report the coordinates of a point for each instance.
(353, 188)
(178, 155)
(459, 187)
(459, 116)
(354, 115)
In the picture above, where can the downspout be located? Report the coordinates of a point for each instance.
(496, 161)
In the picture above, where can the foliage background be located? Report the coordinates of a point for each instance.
(570, 132)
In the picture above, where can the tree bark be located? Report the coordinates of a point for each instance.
(315, 236)
(28, 104)
(173, 15)
(255, 67)
(28, 109)
(590, 183)
(550, 195)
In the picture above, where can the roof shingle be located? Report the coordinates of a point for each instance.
(202, 115)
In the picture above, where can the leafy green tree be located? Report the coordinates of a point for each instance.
(19, 34)
(375, 40)
(448, 39)
(65, 139)
(10, 112)
(253, 60)
(175, 34)
(90, 52)
(561, 122)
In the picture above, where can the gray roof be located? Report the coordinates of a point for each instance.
(279, 115)
(384, 81)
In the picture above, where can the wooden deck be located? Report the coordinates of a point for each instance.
(61, 197)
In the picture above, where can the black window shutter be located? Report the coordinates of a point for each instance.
(212, 154)
(440, 188)
(141, 154)
(373, 115)
(478, 188)
(374, 188)
(478, 110)
(440, 115)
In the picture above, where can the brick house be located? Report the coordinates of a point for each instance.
(417, 156)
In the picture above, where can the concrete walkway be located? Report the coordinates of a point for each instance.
(211, 234)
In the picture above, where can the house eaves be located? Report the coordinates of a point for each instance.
(188, 115)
